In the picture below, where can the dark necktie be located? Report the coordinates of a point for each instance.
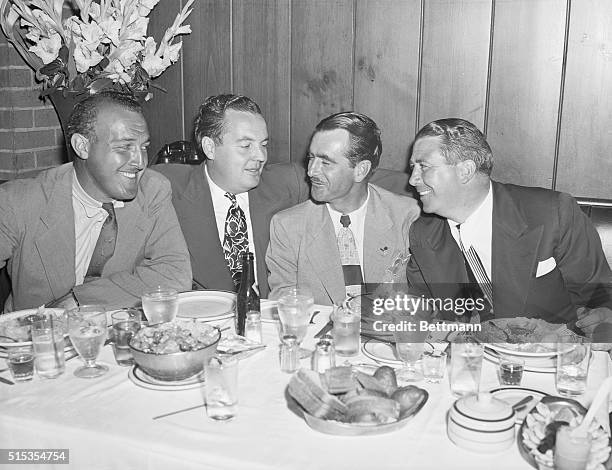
(235, 239)
(105, 246)
(476, 272)
(349, 257)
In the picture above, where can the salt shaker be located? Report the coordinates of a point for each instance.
(289, 354)
(252, 326)
(324, 356)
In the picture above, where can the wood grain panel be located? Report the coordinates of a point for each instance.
(525, 87)
(455, 60)
(321, 66)
(207, 56)
(386, 72)
(167, 104)
(262, 65)
(584, 165)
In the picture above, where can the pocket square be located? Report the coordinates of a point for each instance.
(546, 266)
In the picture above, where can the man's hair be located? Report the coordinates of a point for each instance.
(211, 116)
(364, 134)
(461, 140)
(83, 117)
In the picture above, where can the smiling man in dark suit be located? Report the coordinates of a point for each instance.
(531, 251)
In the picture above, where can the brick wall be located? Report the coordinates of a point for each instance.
(30, 134)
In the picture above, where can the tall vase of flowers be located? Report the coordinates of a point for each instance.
(98, 46)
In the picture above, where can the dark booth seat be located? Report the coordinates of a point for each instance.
(600, 212)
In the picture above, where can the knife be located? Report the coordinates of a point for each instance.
(6, 381)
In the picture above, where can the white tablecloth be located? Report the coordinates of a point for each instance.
(107, 423)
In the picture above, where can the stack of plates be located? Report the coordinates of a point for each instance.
(206, 305)
(142, 379)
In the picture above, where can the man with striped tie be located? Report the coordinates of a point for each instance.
(351, 231)
(524, 251)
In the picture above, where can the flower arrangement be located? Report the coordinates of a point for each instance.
(87, 46)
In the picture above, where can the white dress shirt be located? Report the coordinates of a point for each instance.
(357, 225)
(477, 231)
(221, 205)
(88, 220)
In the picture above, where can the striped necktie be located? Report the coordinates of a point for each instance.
(349, 257)
(476, 270)
(105, 246)
(235, 239)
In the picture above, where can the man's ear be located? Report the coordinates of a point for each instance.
(208, 146)
(361, 170)
(466, 170)
(80, 144)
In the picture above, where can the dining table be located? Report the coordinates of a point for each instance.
(107, 422)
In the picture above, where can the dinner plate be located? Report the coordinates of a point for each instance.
(206, 305)
(9, 317)
(269, 311)
(384, 352)
(142, 379)
(512, 395)
(547, 367)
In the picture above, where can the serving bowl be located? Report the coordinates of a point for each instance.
(174, 366)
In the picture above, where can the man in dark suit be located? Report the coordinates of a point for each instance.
(531, 251)
(234, 188)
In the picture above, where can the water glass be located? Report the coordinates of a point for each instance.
(126, 323)
(466, 365)
(160, 305)
(434, 365)
(410, 339)
(48, 343)
(573, 357)
(221, 387)
(87, 327)
(295, 307)
(346, 329)
(510, 370)
(571, 451)
(20, 362)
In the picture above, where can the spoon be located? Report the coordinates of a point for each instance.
(521, 403)
(601, 397)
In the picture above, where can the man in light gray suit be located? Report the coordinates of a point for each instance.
(351, 232)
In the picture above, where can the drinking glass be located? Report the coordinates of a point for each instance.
(434, 365)
(347, 323)
(510, 370)
(573, 356)
(466, 365)
(160, 305)
(20, 362)
(48, 343)
(295, 308)
(126, 323)
(221, 387)
(87, 329)
(410, 338)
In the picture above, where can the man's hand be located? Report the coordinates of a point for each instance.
(597, 324)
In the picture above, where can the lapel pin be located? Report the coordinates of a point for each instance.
(384, 250)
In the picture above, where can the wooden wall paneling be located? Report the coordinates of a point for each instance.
(321, 66)
(262, 65)
(584, 165)
(455, 60)
(207, 56)
(525, 86)
(386, 72)
(164, 112)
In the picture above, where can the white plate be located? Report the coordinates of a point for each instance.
(18, 314)
(501, 348)
(529, 367)
(140, 378)
(384, 352)
(206, 305)
(512, 395)
(269, 311)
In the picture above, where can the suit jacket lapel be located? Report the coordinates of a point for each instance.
(55, 241)
(377, 238)
(202, 232)
(322, 251)
(260, 224)
(514, 254)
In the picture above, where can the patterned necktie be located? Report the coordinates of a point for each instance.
(236, 238)
(349, 257)
(105, 246)
(476, 271)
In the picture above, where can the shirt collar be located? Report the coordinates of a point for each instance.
(356, 214)
(482, 213)
(92, 206)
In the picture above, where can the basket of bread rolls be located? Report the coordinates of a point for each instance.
(348, 402)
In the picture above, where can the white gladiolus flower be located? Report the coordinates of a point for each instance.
(84, 57)
(47, 48)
